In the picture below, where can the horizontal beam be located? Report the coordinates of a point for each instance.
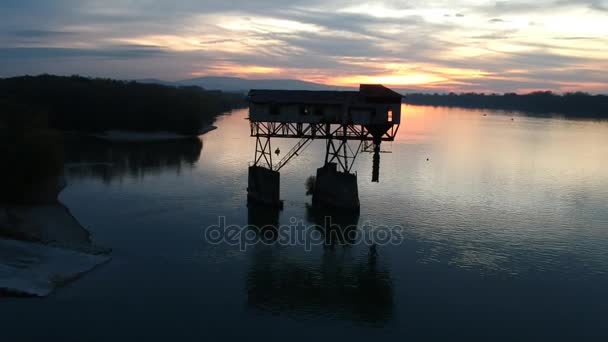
(316, 131)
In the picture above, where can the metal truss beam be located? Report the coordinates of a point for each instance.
(300, 146)
(340, 152)
(317, 131)
(338, 149)
(263, 152)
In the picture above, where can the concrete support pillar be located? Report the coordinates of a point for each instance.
(264, 187)
(337, 190)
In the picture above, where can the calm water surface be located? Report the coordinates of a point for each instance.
(506, 238)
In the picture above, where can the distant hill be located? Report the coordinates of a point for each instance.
(242, 85)
(156, 81)
(235, 84)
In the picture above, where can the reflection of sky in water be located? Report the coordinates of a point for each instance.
(507, 216)
(496, 194)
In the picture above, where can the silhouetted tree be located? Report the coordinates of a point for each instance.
(79, 103)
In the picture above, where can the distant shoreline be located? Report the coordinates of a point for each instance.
(570, 105)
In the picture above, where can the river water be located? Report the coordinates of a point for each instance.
(504, 226)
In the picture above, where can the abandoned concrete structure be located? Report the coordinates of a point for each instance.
(368, 116)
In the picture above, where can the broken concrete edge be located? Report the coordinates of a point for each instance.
(59, 282)
(44, 247)
(50, 224)
(35, 270)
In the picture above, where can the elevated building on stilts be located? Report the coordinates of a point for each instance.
(366, 117)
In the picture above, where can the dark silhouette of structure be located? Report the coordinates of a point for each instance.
(368, 116)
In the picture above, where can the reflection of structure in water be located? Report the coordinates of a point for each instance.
(337, 226)
(355, 289)
(115, 160)
(339, 287)
(264, 220)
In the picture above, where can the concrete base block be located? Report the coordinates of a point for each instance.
(264, 187)
(336, 190)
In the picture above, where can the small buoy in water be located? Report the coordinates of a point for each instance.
(278, 151)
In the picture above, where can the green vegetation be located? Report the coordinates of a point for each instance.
(82, 104)
(570, 104)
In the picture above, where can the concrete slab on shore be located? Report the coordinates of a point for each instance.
(36, 270)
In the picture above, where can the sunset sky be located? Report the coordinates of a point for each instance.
(469, 45)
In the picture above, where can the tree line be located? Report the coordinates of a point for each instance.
(576, 104)
(35, 110)
(84, 104)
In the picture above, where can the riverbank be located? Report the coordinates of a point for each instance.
(43, 247)
(572, 105)
(133, 136)
(34, 269)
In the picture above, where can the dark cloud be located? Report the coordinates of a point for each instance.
(216, 41)
(111, 52)
(576, 38)
(528, 7)
(358, 23)
(40, 33)
(504, 34)
(514, 7)
(598, 5)
(319, 44)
